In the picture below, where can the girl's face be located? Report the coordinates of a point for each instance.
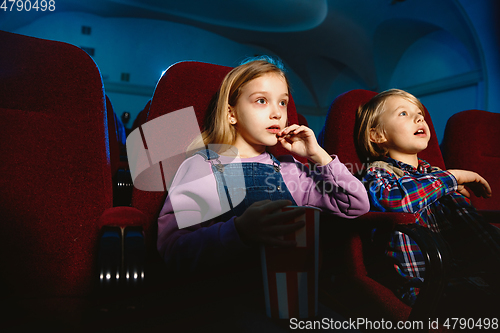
(406, 133)
(259, 114)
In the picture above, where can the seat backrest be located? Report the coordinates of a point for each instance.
(338, 134)
(142, 116)
(471, 142)
(302, 119)
(185, 84)
(55, 172)
(114, 137)
(355, 250)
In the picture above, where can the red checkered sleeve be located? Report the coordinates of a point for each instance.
(409, 193)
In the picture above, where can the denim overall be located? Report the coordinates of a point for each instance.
(261, 182)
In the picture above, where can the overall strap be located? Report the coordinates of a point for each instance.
(208, 154)
(276, 163)
(218, 170)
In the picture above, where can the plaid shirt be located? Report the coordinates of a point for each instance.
(430, 194)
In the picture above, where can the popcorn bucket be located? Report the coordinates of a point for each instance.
(291, 274)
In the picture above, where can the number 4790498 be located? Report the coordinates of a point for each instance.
(28, 5)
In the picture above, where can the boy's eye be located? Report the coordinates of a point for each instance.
(403, 113)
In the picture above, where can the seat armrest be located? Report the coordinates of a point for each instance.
(123, 216)
(110, 258)
(122, 249)
(122, 187)
(437, 264)
(434, 250)
(491, 216)
(134, 253)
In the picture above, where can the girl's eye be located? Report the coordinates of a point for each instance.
(283, 103)
(261, 101)
(403, 113)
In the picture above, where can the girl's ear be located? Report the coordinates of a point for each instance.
(230, 116)
(377, 136)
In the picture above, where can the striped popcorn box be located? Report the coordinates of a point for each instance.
(291, 274)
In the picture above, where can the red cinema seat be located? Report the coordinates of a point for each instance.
(142, 116)
(55, 178)
(471, 142)
(122, 183)
(114, 137)
(184, 84)
(349, 250)
(302, 120)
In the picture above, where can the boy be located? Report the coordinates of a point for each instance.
(392, 131)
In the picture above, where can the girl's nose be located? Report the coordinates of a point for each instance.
(276, 112)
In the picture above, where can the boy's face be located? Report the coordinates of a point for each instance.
(406, 131)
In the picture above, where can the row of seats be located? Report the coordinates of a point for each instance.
(71, 247)
(352, 254)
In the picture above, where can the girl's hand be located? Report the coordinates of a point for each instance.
(474, 181)
(301, 140)
(263, 221)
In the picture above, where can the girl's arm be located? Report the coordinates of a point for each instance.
(192, 248)
(187, 237)
(407, 193)
(300, 140)
(191, 235)
(330, 187)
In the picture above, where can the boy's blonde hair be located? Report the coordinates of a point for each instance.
(368, 118)
(217, 129)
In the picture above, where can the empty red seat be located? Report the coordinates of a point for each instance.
(471, 142)
(114, 137)
(302, 120)
(55, 177)
(142, 116)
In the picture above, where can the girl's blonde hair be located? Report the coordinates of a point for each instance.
(217, 129)
(368, 118)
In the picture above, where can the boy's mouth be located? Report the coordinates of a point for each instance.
(419, 132)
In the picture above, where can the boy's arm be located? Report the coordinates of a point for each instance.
(477, 184)
(407, 193)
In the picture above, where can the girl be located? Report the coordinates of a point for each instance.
(392, 131)
(206, 221)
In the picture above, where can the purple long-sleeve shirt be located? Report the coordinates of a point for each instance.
(193, 197)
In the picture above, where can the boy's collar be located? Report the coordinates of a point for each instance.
(422, 164)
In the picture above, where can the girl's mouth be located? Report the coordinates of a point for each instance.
(274, 129)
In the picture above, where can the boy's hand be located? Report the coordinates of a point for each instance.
(474, 181)
(300, 140)
(263, 221)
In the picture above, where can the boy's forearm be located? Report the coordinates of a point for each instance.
(408, 194)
